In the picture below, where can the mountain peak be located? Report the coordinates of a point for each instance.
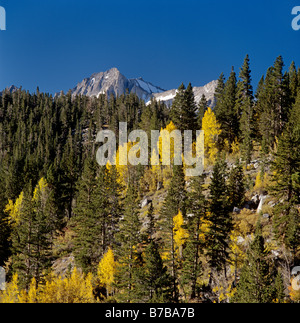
(113, 82)
(10, 89)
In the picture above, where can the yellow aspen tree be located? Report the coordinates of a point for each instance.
(235, 147)
(29, 296)
(49, 291)
(14, 209)
(156, 166)
(180, 234)
(212, 131)
(40, 189)
(107, 270)
(32, 292)
(258, 182)
(261, 182)
(122, 164)
(169, 128)
(11, 293)
(167, 154)
(77, 288)
(204, 229)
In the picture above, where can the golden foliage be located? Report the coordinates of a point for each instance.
(245, 222)
(77, 288)
(107, 270)
(224, 294)
(122, 164)
(40, 189)
(180, 234)
(235, 147)
(237, 254)
(163, 140)
(14, 209)
(261, 182)
(212, 130)
(204, 229)
(11, 293)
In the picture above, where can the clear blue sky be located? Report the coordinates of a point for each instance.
(54, 44)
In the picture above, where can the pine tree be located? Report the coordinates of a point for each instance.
(33, 234)
(236, 186)
(285, 182)
(189, 120)
(70, 174)
(279, 288)
(293, 81)
(273, 105)
(151, 230)
(114, 202)
(192, 265)
(245, 109)
(183, 111)
(219, 92)
(5, 226)
(175, 201)
(226, 112)
(244, 87)
(219, 219)
(203, 106)
(129, 239)
(154, 280)
(89, 216)
(177, 106)
(255, 285)
(247, 128)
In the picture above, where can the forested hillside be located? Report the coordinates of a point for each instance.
(74, 231)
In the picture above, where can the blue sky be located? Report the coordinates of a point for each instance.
(55, 44)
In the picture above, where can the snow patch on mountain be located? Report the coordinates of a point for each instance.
(208, 90)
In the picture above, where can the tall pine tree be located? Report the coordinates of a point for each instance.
(219, 218)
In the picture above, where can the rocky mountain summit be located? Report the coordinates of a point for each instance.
(10, 89)
(113, 82)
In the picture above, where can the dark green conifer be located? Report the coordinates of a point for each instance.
(219, 218)
(192, 265)
(203, 106)
(255, 285)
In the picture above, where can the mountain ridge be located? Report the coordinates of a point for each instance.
(114, 82)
